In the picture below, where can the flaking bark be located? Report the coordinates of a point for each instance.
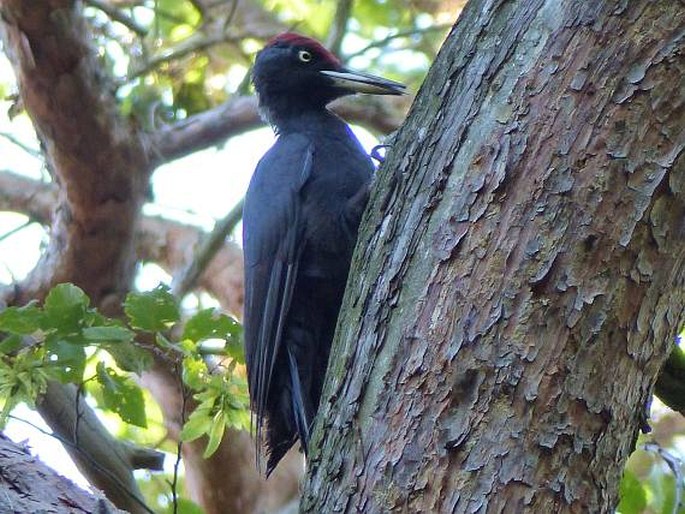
(518, 288)
(28, 485)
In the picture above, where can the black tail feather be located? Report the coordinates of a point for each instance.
(302, 420)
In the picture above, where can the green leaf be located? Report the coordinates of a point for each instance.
(194, 373)
(23, 381)
(122, 395)
(10, 344)
(185, 506)
(209, 324)
(21, 320)
(197, 425)
(216, 434)
(152, 311)
(129, 357)
(65, 308)
(632, 494)
(108, 334)
(238, 419)
(67, 359)
(236, 350)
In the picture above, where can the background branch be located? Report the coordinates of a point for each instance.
(338, 28)
(397, 35)
(166, 242)
(98, 455)
(31, 486)
(183, 49)
(240, 114)
(187, 279)
(33, 152)
(118, 16)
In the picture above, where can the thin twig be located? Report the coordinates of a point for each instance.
(118, 16)
(179, 446)
(397, 35)
(21, 227)
(92, 461)
(79, 413)
(338, 28)
(187, 47)
(31, 151)
(231, 14)
(187, 279)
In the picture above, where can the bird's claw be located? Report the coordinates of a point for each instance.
(375, 154)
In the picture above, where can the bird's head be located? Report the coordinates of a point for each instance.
(297, 72)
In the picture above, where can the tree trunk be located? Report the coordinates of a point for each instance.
(519, 278)
(28, 485)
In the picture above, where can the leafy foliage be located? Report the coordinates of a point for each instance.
(56, 341)
(153, 311)
(121, 395)
(633, 494)
(654, 478)
(222, 397)
(181, 57)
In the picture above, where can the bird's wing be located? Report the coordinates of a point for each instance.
(272, 242)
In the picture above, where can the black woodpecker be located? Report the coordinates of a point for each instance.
(300, 220)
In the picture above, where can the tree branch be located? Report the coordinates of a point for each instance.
(397, 35)
(187, 47)
(236, 116)
(211, 244)
(100, 162)
(166, 242)
(98, 455)
(338, 28)
(30, 197)
(170, 244)
(103, 171)
(240, 114)
(31, 486)
(118, 16)
(33, 152)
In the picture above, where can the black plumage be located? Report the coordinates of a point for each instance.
(300, 221)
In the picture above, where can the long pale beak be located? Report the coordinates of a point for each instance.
(359, 82)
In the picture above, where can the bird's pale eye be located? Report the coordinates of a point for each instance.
(304, 56)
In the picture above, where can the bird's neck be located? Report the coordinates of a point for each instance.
(304, 119)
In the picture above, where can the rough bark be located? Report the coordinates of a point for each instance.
(28, 485)
(517, 289)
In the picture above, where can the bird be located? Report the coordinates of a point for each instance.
(302, 210)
